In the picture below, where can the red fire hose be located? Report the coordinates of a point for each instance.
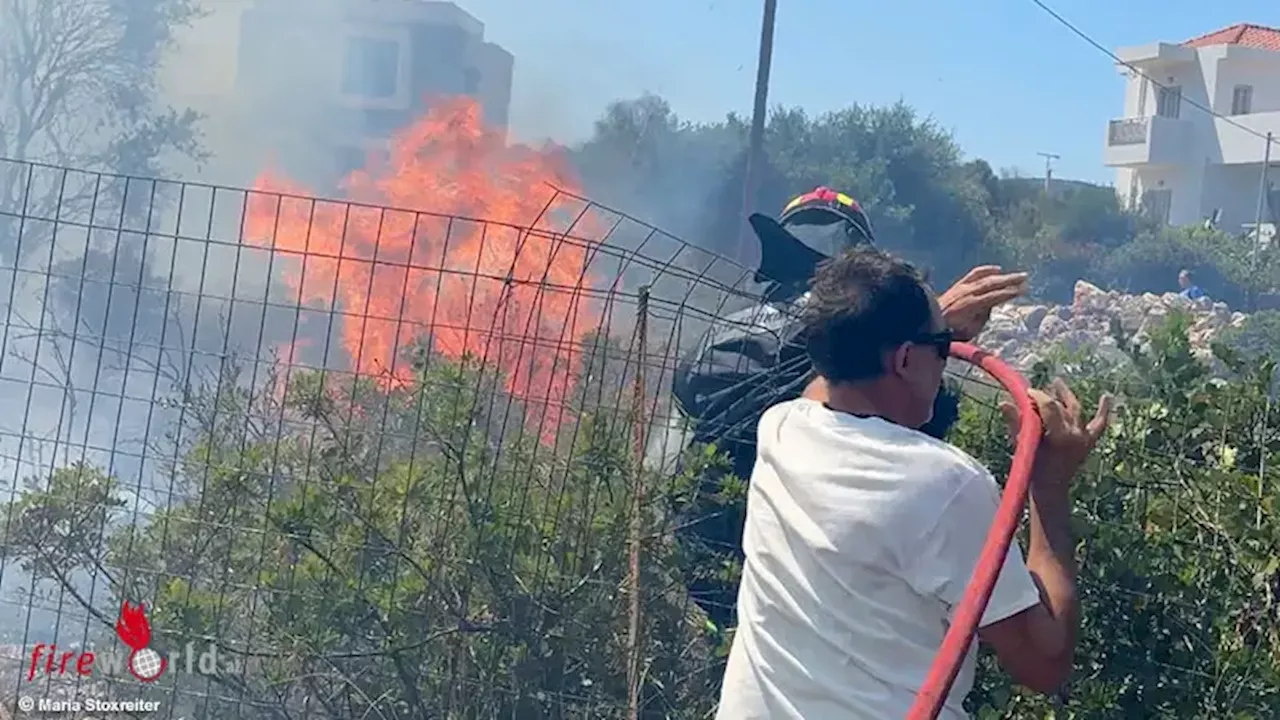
(955, 645)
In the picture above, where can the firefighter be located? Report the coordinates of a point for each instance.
(754, 358)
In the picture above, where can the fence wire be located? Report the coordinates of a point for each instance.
(367, 462)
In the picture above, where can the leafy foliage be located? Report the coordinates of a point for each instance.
(1178, 543)
(78, 83)
(1224, 265)
(1259, 337)
(79, 89)
(372, 550)
(357, 543)
(926, 200)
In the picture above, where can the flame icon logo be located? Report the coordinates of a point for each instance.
(145, 664)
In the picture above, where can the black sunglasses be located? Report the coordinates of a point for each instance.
(941, 341)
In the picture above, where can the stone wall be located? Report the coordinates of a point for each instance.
(1021, 333)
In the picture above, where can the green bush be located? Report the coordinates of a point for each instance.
(1259, 337)
(372, 550)
(376, 552)
(1178, 541)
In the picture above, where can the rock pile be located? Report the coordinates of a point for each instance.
(1022, 333)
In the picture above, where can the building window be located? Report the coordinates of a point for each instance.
(1169, 101)
(1158, 203)
(470, 81)
(371, 68)
(1242, 100)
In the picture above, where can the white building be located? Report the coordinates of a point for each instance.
(379, 64)
(1182, 163)
(314, 85)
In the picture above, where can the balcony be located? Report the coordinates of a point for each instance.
(1146, 141)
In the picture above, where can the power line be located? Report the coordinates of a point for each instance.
(1087, 38)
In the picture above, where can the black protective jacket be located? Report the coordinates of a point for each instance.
(747, 362)
(750, 361)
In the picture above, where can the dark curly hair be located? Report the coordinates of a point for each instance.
(861, 303)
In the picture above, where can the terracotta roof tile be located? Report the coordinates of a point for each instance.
(1243, 34)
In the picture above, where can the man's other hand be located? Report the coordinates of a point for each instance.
(1037, 646)
(1068, 437)
(967, 305)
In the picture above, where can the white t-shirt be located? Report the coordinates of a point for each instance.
(860, 538)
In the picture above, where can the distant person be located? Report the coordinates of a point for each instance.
(1190, 289)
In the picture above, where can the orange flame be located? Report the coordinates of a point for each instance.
(514, 299)
(132, 627)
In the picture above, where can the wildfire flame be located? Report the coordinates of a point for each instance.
(512, 298)
(132, 626)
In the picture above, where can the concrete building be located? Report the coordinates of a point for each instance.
(1184, 164)
(314, 86)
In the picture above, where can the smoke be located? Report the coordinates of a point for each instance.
(120, 292)
(263, 74)
(128, 290)
(645, 160)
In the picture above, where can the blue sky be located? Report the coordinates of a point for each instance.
(1005, 77)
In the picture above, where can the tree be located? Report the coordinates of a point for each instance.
(78, 89)
(79, 100)
(1063, 236)
(927, 201)
(646, 159)
(722, 226)
(78, 82)
(906, 172)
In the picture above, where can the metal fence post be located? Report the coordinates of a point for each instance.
(635, 536)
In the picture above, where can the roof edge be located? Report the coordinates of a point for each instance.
(1231, 34)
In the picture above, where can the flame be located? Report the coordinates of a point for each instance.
(512, 298)
(132, 627)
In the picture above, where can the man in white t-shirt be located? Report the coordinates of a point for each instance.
(862, 533)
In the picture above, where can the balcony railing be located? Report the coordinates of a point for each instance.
(1128, 131)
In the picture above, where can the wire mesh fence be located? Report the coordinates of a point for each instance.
(357, 461)
(369, 461)
(1177, 534)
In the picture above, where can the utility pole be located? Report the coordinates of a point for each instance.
(1263, 189)
(755, 143)
(1048, 168)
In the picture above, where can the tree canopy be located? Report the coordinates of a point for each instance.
(79, 93)
(927, 201)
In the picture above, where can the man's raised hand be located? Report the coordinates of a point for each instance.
(966, 306)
